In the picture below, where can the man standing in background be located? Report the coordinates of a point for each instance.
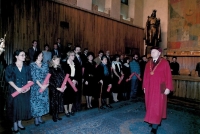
(79, 64)
(135, 68)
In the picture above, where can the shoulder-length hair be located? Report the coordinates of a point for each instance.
(51, 63)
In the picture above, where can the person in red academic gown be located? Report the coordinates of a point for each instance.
(157, 84)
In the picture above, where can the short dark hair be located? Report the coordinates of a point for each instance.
(174, 57)
(116, 56)
(104, 56)
(34, 41)
(36, 54)
(85, 49)
(46, 45)
(16, 53)
(125, 59)
(101, 51)
(77, 46)
(143, 56)
(90, 53)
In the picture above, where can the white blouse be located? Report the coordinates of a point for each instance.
(72, 66)
(116, 63)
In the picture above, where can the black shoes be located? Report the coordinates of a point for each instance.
(67, 114)
(59, 118)
(108, 105)
(21, 128)
(72, 113)
(54, 119)
(101, 107)
(17, 131)
(153, 131)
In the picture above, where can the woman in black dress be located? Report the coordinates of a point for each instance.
(117, 72)
(103, 77)
(55, 91)
(18, 75)
(126, 85)
(89, 81)
(70, 94)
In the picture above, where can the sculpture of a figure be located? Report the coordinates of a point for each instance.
(152, 30)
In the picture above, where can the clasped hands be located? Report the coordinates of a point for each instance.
(22, 91)
(167, 91)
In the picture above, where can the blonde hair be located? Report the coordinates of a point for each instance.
(69, 53)
(51, 63)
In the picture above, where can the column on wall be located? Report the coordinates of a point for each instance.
(115, 9)
(101, 6)
(86, 4)
(128, 12)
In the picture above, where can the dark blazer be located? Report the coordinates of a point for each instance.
(62, 51)
(53, 53)
(31, 53)
(99, 75)
(67, 70)
(78, 67)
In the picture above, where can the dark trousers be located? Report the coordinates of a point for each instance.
(134, 86)
(2, 103)
(77, 103)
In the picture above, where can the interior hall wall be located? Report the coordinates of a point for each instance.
(40, 20)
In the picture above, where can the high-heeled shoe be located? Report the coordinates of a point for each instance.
(67, 114)
(58, 118)
(72, 113)
(108, 105)
(16, 131)
(54, 119)
(101, 107)
(21, 128)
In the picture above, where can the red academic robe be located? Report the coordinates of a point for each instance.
(155, 101)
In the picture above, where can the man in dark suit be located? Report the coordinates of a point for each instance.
(108, 58)
(61, 49)
(55, 50)
(78, 64)
(84, 56)
(32, 50)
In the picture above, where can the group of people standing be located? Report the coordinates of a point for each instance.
(97, 77)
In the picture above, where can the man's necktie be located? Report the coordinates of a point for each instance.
(56, 52)
(79, 59)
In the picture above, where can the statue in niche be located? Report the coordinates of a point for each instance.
(152, 30)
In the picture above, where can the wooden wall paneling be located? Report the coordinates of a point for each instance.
(40, 20)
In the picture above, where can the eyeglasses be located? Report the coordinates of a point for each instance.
(22, 55)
